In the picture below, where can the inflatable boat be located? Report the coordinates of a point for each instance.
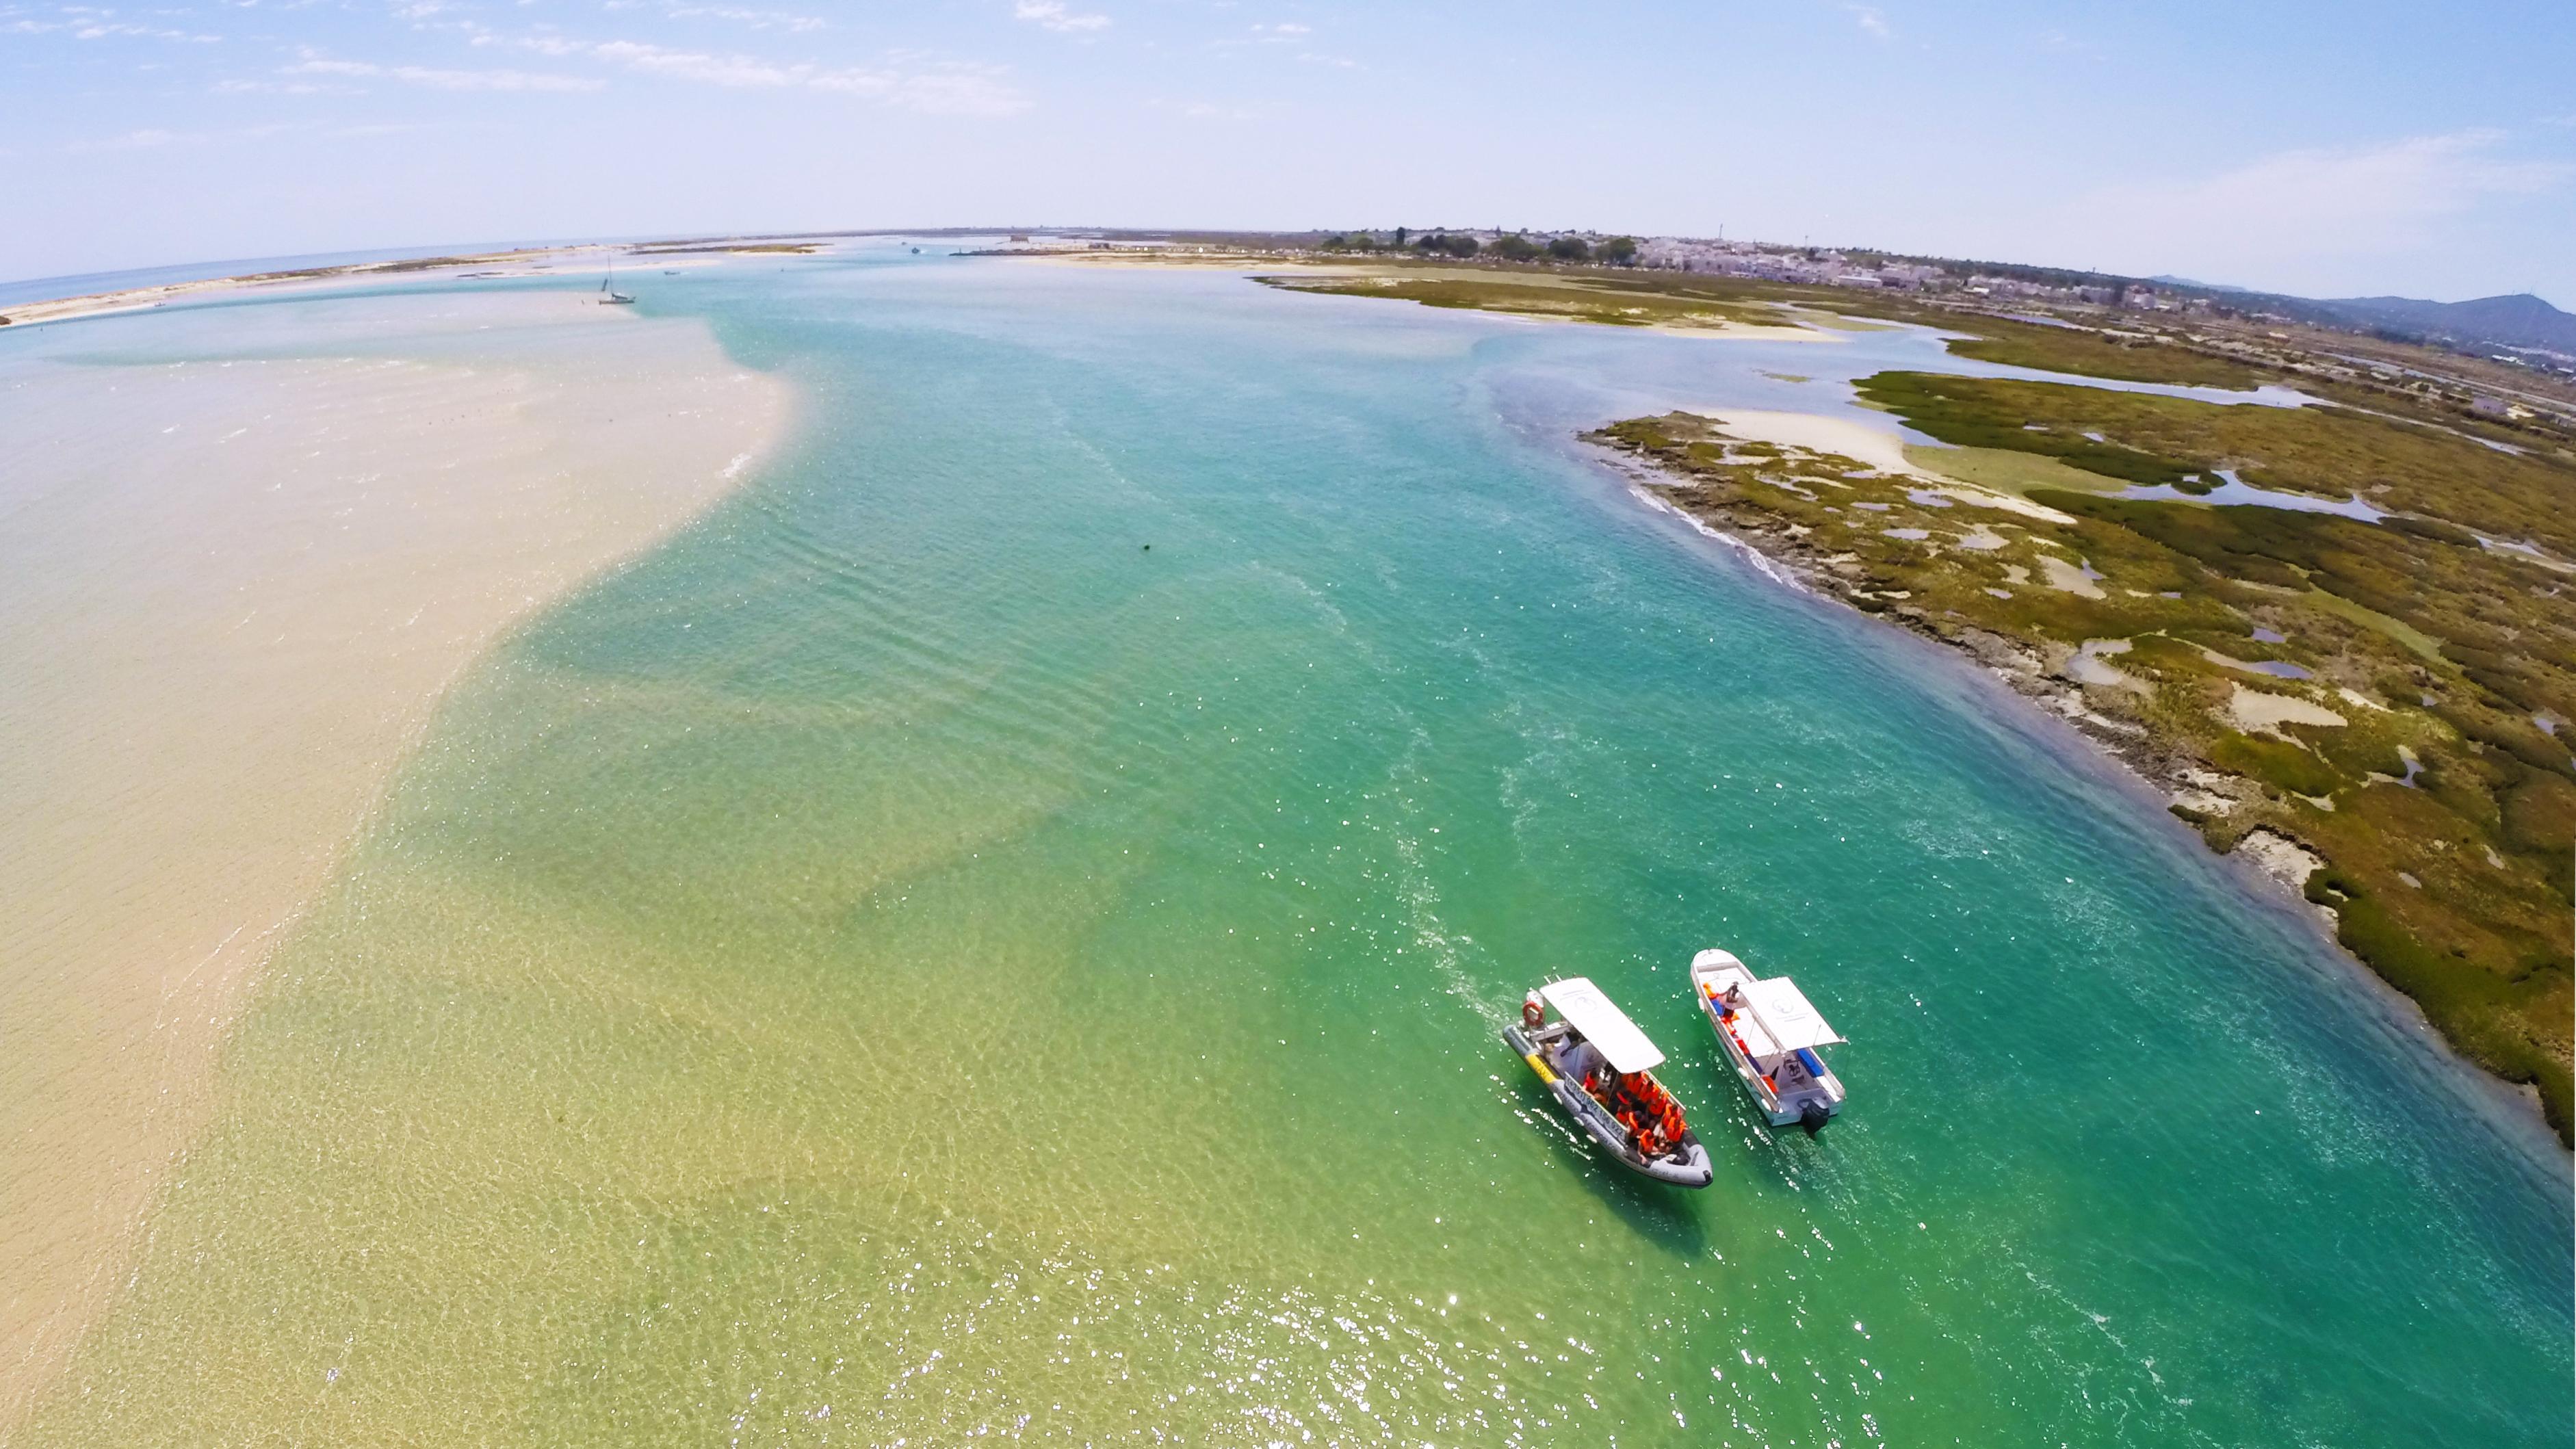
(1600, 1069)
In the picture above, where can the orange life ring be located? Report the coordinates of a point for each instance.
(1532, 1011)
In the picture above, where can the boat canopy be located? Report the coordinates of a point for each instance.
(1605, 1026)
(1787, 1017)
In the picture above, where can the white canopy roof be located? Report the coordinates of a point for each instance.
(1605, 1026)
(1787, 1017)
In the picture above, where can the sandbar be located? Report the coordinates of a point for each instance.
(234, 583)
(1871, 447)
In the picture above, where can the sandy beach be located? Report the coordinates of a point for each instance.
(523, 262)
(232, 589)
(302, 281)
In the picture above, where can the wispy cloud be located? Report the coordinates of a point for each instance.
(240, 87)
(1200, 110)
(2328, 190)
(756, 19)
(943, 89)
(1289, 33)
(950, 90)
(443, 80)
(706, 69)
(543, 43)
(1054, 15)
(136, 140)
(2316, 205)
(153, 138)
(81, 22)
(1871, 20)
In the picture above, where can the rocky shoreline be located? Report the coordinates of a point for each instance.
(1838, 576)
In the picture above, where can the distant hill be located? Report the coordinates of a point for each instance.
(2202, 286)
(2520, 320)
(2484, 324)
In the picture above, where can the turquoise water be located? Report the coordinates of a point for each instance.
(1002, 930)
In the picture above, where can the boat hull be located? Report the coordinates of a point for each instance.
(1691, 1169)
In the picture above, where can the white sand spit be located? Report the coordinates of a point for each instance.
(1873, 447)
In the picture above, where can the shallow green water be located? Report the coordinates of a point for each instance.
(908, 961)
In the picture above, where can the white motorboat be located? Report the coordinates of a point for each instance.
(1600, 1069)
(1770, 1032)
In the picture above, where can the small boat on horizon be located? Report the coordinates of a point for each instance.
(1770, 1032)
(1600, 1069)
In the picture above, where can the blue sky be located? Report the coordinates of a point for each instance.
(2329, 149)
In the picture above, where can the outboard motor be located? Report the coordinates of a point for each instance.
(1813, 1117)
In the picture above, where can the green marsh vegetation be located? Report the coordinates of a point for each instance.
(2384, 694)
(1613, 301)
(2437, 389)
(1511, 267)
(2116, 354)
(2440, 479)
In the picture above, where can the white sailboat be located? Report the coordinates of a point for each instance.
(608, 293)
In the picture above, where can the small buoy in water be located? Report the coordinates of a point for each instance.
(1149, 548)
